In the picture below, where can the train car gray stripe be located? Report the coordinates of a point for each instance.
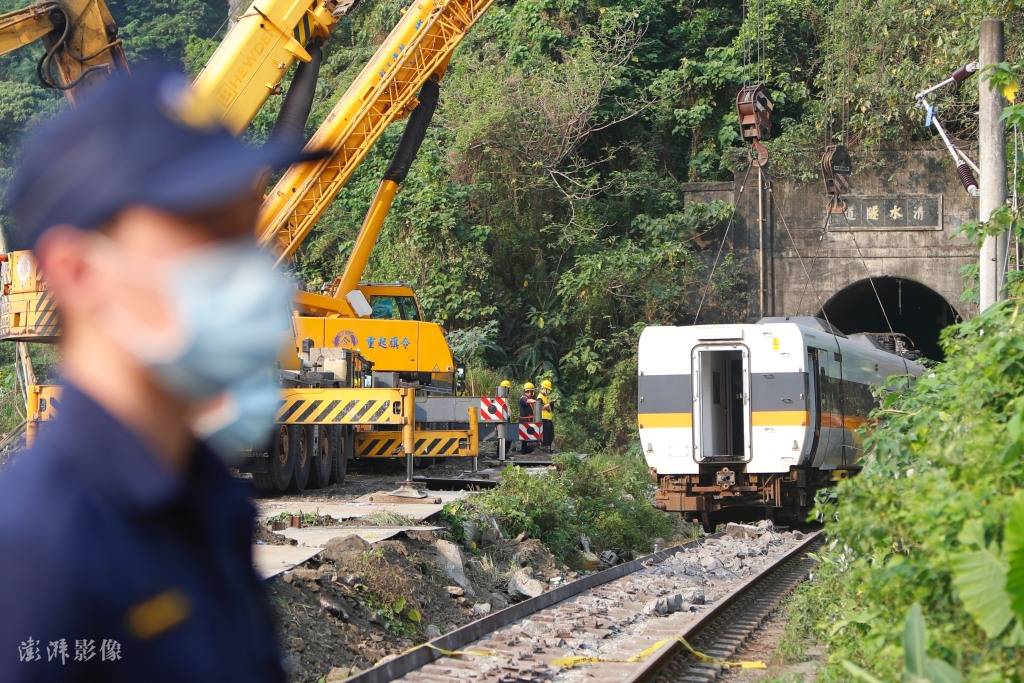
(778, 391)
(664, 394)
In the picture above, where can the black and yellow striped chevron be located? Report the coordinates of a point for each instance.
(302, 30)
(29, 316)
(436, 444)
(340, 406)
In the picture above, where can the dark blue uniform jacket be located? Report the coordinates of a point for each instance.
(112, 568)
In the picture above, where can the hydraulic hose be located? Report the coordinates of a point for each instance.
(415, 131)
(291, 120)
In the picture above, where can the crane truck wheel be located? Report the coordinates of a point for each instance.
(300, 442)
(345, 438)
(326, 453)
(279, 474)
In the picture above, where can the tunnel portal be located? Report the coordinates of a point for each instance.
(912, 308)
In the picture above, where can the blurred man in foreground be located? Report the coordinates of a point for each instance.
(124, 541)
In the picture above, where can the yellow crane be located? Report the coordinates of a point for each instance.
(329, 388)
(324, 416)
(81, 48)
(408, 64)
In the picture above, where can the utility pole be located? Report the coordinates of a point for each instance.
(992, 164)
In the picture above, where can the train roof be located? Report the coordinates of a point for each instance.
(804, 321)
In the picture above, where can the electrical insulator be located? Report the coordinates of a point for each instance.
(967, 179)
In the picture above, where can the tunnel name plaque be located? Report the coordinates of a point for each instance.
(889, 212)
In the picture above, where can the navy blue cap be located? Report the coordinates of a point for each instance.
(139, 139)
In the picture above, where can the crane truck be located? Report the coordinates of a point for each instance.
(350, 383)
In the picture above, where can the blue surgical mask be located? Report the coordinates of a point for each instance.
(234, 311)
(243, 419)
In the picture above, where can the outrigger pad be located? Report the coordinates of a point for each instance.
(403, 498)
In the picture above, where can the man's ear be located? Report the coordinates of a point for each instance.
(60, 252)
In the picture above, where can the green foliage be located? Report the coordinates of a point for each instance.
(979, 576)
(932, 517)
(605, 498)
(878, 54)
(918, 667)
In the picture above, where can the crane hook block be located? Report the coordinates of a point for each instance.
(754, 108)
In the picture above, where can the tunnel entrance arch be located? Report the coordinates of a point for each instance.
(914, 309)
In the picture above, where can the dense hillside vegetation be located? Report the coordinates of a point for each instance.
(543, 222)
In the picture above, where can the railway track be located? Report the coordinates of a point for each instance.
(639, 621)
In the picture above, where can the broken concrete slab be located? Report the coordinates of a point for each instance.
(357, 508)
(319, 536)
(271, 560)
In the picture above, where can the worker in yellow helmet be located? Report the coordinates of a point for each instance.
(527, 412)
(547, 413)
(506, 384)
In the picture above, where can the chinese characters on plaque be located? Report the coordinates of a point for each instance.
(889, 212)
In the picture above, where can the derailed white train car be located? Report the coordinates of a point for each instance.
(754, 416)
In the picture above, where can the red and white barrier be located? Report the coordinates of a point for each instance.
(530, 431)
(494, 409)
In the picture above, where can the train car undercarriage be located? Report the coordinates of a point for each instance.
(719, 491)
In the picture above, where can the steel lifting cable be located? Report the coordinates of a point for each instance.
(871, 281)
(721, 246)
(799, 256)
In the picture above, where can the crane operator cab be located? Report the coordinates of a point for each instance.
(389, 332)
(392, 301)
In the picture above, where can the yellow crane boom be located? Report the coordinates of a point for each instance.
(419, 47)
(266, 41)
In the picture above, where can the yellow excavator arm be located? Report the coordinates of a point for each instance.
(80, 38)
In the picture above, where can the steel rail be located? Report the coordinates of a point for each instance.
(777, 581)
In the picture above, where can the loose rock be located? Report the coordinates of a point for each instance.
(449, 561)
(743, 531)
(340, 673)
(342, 550)
(304, 574)
(522, 585)
(589, 560)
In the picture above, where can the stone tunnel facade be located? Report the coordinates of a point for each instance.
(897, 237)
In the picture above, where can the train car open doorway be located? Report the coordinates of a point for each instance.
(721, 403)
(913, 309)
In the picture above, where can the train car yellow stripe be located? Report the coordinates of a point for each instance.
(657, 420)
(758, 418)
(779, 418)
